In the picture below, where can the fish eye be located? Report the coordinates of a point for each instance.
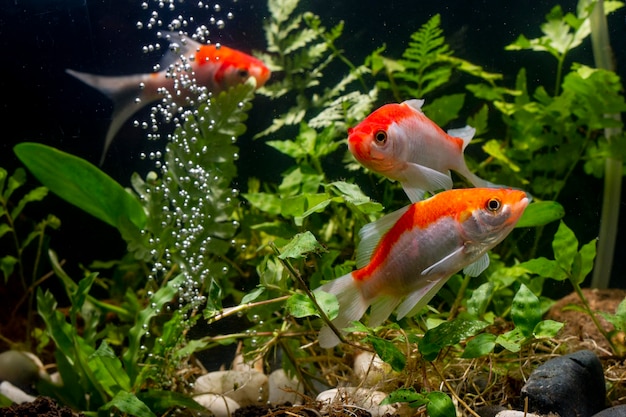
(243, 73)
(493, 204)
(380, 137)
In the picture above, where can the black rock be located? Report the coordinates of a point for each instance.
(617, 411)
(570, 386)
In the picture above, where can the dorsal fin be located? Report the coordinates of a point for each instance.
(371, 233)
(415, 104)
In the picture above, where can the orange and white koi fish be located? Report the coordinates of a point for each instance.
(401, 143)
(405, 257)
(212, 66)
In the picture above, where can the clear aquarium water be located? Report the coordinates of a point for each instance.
(41, 39)
(219, 216)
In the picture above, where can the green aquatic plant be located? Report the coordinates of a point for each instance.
(300, 49)
(23, 262)
(549, 137)
(427, 65)
(208, 253)
(181, 224)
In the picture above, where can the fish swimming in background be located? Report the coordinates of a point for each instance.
(401, 143)
(215, 67)
(405, 257)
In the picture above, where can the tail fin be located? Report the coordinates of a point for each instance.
(123, 91)
(352, 306)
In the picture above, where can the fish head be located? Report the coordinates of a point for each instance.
(490, 214)
(230, 67)
(379, 141)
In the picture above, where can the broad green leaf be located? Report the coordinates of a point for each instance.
(301, 245)
(565, 246)
(446, 334)
(107, 368)
(299, 305)
(253, 295)
(267, 202)
(583, 263)
(547, 329)
(81, 184)
(540, 213)
(440, 405)
(544, 267)
(128, 403)
(480, 345)
(478, 302)
(511, 340)
(525, 310)
(388, 352)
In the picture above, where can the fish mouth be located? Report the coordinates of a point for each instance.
(518, 209)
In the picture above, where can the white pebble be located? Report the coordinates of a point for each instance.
(284, 389)
(218, 405)
(245, 387)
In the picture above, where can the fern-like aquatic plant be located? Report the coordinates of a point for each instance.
(427, 64)
(299, 50)
(190, 208)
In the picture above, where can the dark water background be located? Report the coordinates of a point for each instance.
(41, 38)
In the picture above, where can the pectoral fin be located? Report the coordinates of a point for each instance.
(418, 179)
(476, 268)
(443, 265)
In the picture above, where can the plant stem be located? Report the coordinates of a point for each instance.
(453, 393)
(309, 293)
(591, 314)
(459, 297)
(612, 167)
(243, 307)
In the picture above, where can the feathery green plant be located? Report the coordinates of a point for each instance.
(427, 64)
(299, 50)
